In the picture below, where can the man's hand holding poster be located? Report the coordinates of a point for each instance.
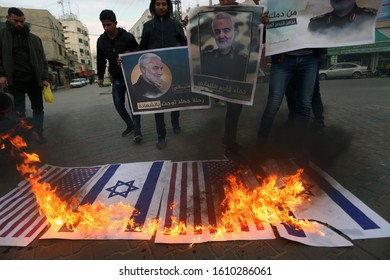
(298, 24)
(224, 49)
(159, 81)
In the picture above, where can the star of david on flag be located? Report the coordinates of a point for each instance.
(124, 189)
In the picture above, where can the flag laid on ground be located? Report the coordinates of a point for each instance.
(191, 207)
(341, 215)
(20, 221)
(190, 196)
(139, 185)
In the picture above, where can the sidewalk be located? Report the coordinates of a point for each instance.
(84, 129)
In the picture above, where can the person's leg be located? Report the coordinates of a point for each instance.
(280, 75)
(161, 130)
(291, 98)
(137, 128)
(233, 111)
(317, 106)
(306, 77)
(34, 92)
(175, 115)
(119, 98)
(18, 91)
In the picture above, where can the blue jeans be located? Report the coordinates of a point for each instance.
(119, 97)
(304, 70)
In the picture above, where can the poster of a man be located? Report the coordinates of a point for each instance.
(151, 82)
(158, 81)
(299, 24)
(346, 14)
(224, 62)
(224, 51)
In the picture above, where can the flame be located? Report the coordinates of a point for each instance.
(266, 203)
(96, 216)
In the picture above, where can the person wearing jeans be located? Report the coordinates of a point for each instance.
(301, 65)
(110, 44)
(119, 98)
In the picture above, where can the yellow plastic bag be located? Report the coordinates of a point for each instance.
(48, 94)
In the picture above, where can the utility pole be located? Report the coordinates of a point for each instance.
(61, 2)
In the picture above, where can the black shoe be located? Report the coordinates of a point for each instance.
(317, 125)
(177, 130)
(127, 132)
(231, 145)
(138, 138)
(234, 155)
(161, 144)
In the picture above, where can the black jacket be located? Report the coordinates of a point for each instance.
(110, 50)
(36, 52)
(162, 32)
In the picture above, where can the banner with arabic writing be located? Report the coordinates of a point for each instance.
(299, 24)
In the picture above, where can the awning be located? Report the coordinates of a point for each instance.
(382, 44)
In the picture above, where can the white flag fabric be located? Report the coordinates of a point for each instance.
(194, 199)
(341, 215)
(20, 221)
(188, 194)
(139, 185)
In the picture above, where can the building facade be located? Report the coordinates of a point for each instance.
(78, 43)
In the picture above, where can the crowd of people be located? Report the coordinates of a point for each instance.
(293, 74)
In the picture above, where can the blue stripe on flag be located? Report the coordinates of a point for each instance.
(293, 231)
(98, 187)
(355, 213)
(145, 198)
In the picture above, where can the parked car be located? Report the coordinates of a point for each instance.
(76, 83)
(344, 70)
(84, 81)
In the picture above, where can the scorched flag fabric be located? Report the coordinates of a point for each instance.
(137, 185)
(337, 212)
(20, 220)
(191, 207)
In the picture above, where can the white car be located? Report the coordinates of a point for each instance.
(344, 70)
(84, 81)
(76, 83)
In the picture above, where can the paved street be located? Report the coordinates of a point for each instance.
(84, 129)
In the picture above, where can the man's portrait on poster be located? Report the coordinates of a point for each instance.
(225, 57)
(151, 78)
(345, 16)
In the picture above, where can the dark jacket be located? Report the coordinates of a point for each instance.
(110, 50)
(145, 89)
(162, 32)
(37, 55)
